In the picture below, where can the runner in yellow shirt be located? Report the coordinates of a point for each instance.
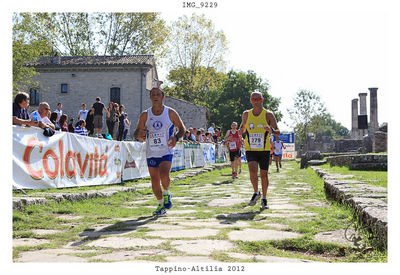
(257, 125)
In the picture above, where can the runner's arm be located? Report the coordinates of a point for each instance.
(242, 127)
(140, 132)
(272, 123)
(177, 121)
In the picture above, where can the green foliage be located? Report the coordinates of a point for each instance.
(83, 34)
(192, 84)
(195, 43)
(228, 103)
(309, 115)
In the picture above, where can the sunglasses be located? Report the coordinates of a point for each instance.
(258, 99)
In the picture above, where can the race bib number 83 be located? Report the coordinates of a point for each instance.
(157, 141)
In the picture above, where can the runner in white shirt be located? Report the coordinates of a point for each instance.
(278, 145)
(156, 127)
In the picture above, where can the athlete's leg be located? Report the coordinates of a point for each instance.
(155, 182)
(264, 181)
(164, 171)
(253, 169)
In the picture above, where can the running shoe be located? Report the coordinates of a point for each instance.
(167, 201)
(160, 211)
(264, 204)
(254, 198)
(277, 170)
(233, 175)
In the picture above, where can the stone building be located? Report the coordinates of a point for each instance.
(127, 80)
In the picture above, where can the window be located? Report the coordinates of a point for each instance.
(64, 88)
(34, 97)
(115, 95)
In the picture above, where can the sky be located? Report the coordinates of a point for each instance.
(336, 55)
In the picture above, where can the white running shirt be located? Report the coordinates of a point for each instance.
(159, 130)
(278, 147)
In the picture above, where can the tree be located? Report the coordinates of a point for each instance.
(307, 105)
(96, 33)
(81, 34)
(195, 58)
(228, 103)
(309, 115)
(202, 80)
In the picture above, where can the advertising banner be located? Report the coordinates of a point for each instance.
(208, 152)
(134, 164)
(220, 153)
(178, 161)
(289, 152)
(193, 156)
(63, 160)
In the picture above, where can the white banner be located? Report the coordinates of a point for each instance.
(208, 152)
(63, 160)
(289, 152)
(133, 158)
(193, 156)
(178, 161)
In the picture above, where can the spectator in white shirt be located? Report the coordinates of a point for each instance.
(211, 129)
(83, 113)
(42, 115)
(59, 111)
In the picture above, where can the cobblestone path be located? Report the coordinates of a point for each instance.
(209, 222)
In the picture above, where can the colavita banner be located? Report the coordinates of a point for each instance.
(63, 160)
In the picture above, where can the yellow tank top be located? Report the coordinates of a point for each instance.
(256, 137)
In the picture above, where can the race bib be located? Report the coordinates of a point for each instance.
(232, 145)
(256, 140)
(157, 141)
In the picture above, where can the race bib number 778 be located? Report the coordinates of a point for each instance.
(256, 140)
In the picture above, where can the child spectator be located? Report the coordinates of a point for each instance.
(53, 119)
(63, 123)
(71, 127)
(80, 128)
(83, 113)
(127, 125)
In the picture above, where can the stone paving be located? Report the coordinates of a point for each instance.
(181, 236)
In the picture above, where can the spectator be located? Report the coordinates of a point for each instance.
(59, 111)
(218, 132)
(83, 113)
(89, 124)
(193, 132)
(80, 128)
(211, 129)
(53, 119)
(209, 138)
(202, 135)
(186, 137)
(71, 127)
(109, 119)
(198, 135)
(41, 115)
(97, 111)
(127, 125)
(121, 126)
(20, 110)
(64, 123)
(115, 115)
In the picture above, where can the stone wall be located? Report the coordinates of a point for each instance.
(379, 142)
(360, 162)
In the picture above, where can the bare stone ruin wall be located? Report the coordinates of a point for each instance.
(368, 202)
(360, 162)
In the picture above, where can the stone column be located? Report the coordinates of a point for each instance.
(373, 109)
(363, 110)
(354, 119)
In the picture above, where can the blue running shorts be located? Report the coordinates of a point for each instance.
(155, 162)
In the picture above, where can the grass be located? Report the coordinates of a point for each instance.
(109, 210)
(377, 178)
